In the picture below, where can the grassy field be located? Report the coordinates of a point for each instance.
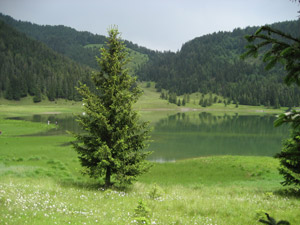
(41, 181)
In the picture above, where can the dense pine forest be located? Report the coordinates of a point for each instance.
(50, 60)
(212, 63)
(28, 67)
(74, 44)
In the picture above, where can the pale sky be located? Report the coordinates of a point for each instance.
(155, 24)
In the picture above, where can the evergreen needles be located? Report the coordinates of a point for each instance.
(114, 138)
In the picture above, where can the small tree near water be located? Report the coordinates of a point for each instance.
(111, 146)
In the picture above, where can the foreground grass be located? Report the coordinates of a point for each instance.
(224, 198)
(41, 183)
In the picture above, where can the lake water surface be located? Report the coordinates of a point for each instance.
(188, 135)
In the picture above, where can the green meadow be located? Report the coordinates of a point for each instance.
(41, 180)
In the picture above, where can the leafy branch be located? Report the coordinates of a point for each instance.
(284, 49)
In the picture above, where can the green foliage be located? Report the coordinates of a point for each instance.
(172, 98)
(28, 67)
(115, 138)
(38, 96)
(201, 101)
(156, 192)
(292, 117)
(162, 95)
(285, 50)
(179, 102)
(141, 213)
(281, 47)
(183, 101)
(225, 102)
(212, 63)
(272, 221)
(290, 159)
(81, 47)
(138, 59)
(205, 103)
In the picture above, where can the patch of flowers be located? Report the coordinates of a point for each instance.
(29, 204)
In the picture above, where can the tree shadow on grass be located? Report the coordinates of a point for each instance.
(91, 185)
(82, 184)
(289, 192)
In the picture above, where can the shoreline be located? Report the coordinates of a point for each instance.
(187, 109)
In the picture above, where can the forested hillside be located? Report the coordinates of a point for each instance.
(212, 63)
(28, 67)
(208, 64)
(72, 43)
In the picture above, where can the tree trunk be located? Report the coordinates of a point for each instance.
(107, 177)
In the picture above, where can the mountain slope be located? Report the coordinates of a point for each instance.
(28, 67)
(211, 63)
(72, 43)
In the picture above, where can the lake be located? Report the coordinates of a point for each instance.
(194, 134)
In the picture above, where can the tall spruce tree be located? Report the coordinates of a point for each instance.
(112, 145)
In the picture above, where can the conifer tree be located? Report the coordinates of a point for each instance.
(188, 98)
(284, 49)
(183, 102)
(179, 102)
(37, 95)
(205, 103)
(201, 101)
(112, 145)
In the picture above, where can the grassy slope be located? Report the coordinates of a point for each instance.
(149, 101)
(41, 183)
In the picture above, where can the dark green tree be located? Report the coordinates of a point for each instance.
(215, 99)
(188, 98)
(272, 221)
(112, 145)
(172, 98)
(37, 95)
(210, 100)
(225, 103)
(290, 153)
(205, 103)
(179, 102)
(183, 101)
(201, 101)
(280, 47)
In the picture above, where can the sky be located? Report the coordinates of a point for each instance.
(156, 24)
